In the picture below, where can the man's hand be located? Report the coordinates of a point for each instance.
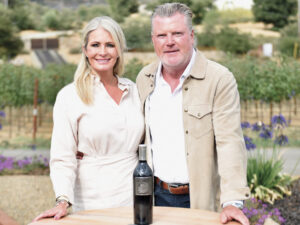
(233, 213)
(57, 212)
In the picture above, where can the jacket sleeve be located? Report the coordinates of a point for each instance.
(231, 150)
(63, 162)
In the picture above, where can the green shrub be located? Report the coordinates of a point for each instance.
(230, 40)
(138, 34)
(52, 79)
(264, 171)
(289, 38)
(132, 68)
(207, 38)
(86, 13)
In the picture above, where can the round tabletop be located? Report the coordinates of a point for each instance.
(124, 216)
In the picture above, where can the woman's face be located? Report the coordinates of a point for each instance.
(101, 51)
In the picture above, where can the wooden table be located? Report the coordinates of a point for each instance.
(124, 216)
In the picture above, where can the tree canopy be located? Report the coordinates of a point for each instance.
(122, 8)
(276, 12)
(10, 43)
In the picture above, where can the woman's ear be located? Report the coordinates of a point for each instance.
(83, 50)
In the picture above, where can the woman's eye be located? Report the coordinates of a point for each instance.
(110, 45)
(95, 45)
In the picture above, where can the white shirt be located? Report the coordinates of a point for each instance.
(164, 115)
(108, 134)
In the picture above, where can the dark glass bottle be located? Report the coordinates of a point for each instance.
(143, 190)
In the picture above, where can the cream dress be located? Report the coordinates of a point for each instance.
(108, 134)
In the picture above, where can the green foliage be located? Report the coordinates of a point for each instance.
(10, 43)
(207, 38)
(200, 8)
(23, 18)
(289, 42)
(270, 81)
(122, 8)
(276, 12)
(52, 79)
(16, 85)
(230, 40)
(132, 68)
(60, 20)
(265, 179)
(86, 13)
(138, 34)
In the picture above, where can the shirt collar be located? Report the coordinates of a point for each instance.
(123, 83)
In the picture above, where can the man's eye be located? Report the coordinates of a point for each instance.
(161, 35)
(177, 34)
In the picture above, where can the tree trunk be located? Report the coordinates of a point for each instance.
(271, 112)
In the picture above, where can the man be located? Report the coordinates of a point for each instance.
(192, 113)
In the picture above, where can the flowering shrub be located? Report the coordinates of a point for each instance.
(257, 213)
(9, 165)
(264, 171)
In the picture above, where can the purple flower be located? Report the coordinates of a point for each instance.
(0, 126)
(2, 114)
(266, 133)
(258, 126)
(278, 120)
(249, 143)
(245, 125)
(281, 140)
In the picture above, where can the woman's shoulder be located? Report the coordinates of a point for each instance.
(68, 94)
(67, 91)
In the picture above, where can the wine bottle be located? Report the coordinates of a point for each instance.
(143, 190)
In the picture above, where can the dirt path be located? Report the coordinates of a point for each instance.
(23, 197)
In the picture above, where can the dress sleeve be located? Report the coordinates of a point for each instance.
(231, 151)
(63, 162)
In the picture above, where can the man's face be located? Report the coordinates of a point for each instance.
(172, 40)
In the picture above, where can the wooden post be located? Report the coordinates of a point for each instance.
(35, 110)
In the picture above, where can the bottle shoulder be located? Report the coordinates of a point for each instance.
(142, 169)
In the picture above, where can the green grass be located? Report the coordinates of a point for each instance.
(22, 142)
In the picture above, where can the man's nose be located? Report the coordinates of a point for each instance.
(170, 39)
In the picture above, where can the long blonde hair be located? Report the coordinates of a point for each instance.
(82, 77)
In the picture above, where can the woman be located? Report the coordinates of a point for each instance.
(99, 118)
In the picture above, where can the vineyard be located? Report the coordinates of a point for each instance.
(267, 87)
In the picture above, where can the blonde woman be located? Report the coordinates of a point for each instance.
(97, 117)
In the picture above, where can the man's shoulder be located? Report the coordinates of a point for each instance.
(147, 70)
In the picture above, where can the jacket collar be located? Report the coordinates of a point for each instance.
(198, 70)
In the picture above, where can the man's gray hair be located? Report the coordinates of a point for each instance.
(170, 9)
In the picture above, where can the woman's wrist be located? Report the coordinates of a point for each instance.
(63, 200)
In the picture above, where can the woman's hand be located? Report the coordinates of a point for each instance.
(57, 212)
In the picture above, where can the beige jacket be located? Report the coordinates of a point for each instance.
(214, 144)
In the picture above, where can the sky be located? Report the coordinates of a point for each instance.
(229, 4)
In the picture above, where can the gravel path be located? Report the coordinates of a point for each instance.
(24, 197)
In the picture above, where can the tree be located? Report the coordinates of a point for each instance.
(10, 43)
(122, 8)
(276, 12)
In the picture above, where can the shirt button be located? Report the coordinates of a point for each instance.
(151, 85)
(186, 88)
(185, 109)
(186, 131)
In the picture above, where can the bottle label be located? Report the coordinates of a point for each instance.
(143, 185)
